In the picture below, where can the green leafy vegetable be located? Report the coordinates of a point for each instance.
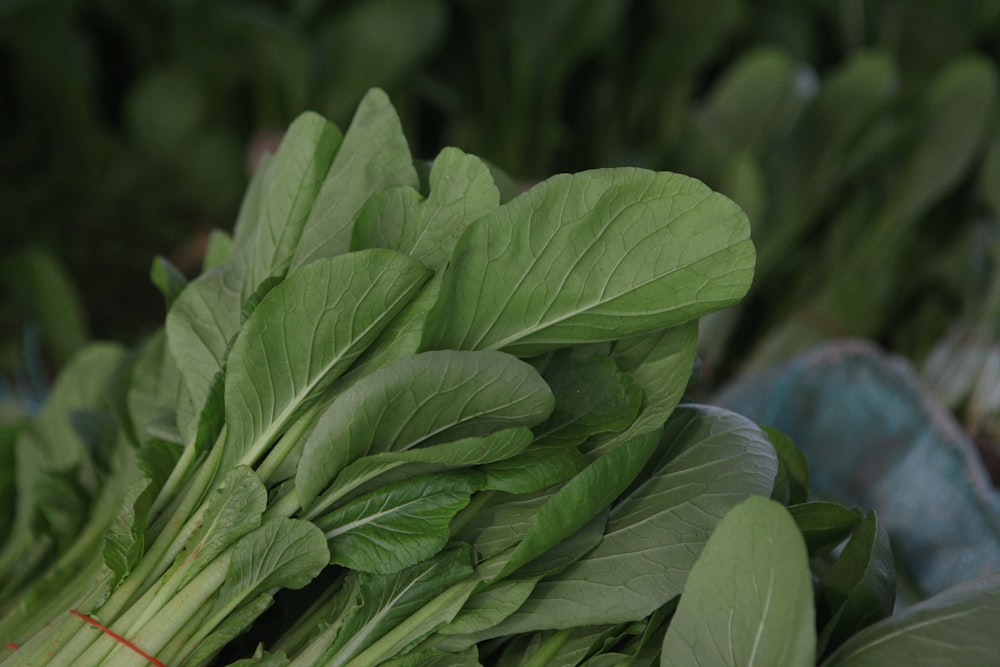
(748, 599)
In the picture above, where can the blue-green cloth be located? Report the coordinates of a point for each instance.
(876, 439)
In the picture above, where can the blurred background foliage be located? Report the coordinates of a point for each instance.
(859, 135)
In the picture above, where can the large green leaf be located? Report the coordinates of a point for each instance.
(232, 510)
(442, 395)
(291, 182)
(592, 396)
(582, 498)
(593, 256)
(956, 627)
(748, 599)
(200, 324)
(660, 363)
(712, 461)
(372, 157)
(824, 525)
(503, 445)
(398, 525)
(462, 190)
(860, 588)
(384, 601)
(303, 335)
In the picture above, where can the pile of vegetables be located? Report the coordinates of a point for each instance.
(409, 415)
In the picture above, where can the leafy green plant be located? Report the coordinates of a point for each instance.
(458, 410)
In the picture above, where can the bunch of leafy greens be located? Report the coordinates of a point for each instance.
(459, 404)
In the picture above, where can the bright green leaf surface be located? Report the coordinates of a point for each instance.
(957, 627)
(303, 335)
(284, 553)
(713, 460)
(233, 510)
(291, 183)
(582, 498)
(538, 467)
(386, 600)
(442, 395)
(372, 157)
(466, 452)
(200, 324)
(462, 190)
(398, 525)
(748, 599)
(592, 396)
(661, 364)
(593, 256)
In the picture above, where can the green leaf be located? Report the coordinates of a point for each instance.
(232, 627)
(45, 290)
(153, 386)
(594, 256)
(462, 190)
(167, 278)
(539, 467)
(387, 600)
(791, 486)
(428, 398)
(200, 324)
(860, 588)
(124, 542)
(956, 117)
(399, 525)
(232, 510)
(281, 553)
(372, 157)
(824, 525)
(490, 606)
(958, 626)
(218, 250)
(661, 364)
(303, 335)
(582, 498)
(754, 101)
(499, 446)
(711, 461)
(291, 184)
(592, 396)
(401, 339)
(748, 599)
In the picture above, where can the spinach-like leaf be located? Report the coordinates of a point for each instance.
(429, 397)
(824, 525)
(291, 183)
(384, 601)
(500, 446)
(713, 460)
(593, 256)
(860, 588)
(958, 626)
(398, 525)
(582, 498)
(303, 335)
(373, 156)
(462, 190)
(791, 486)
(592, 396)
(661, 364)
(748, 599)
